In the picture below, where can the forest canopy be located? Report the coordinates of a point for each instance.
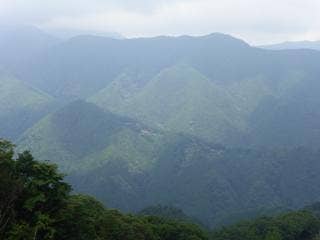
(36, 203)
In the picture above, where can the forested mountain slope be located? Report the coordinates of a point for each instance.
(37, 203)
(21, 106)
(207, 124)
(213, 184)
(214, 87)
(82, 136)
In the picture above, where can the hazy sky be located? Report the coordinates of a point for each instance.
(256, 21)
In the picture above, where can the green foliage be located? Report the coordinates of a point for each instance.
(32, 193)
(181, 99)
(215, 87)
(204, 180)
(36, 204)
(85, 218)
(175, 230)
(79, 219)
(300, 225)
(104, 136)
(10, 187)
(166, 212)
(21, 106)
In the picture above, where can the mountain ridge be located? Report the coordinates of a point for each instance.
(313, 45)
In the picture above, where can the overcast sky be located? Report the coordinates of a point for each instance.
(256, 21)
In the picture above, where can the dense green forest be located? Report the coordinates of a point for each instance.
(36, 203)
(129, 166)
(300, 225)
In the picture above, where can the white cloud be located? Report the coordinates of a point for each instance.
(258, 21)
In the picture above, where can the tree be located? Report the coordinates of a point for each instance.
(35, 203)
(78, 220)
(10, 186)
(43, 195)
(31, 195)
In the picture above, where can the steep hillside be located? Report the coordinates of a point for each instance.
(85, 64)
(212, 87)
(37, 203)
(209, 182)
(179, 99)
(82, 136)
(151, 110)
(214, 90)
(20, 106)
(290, 119)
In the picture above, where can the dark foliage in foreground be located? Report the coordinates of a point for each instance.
(35, 203)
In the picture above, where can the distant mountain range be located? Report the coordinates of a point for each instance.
(70, 33)
(207, 124)
(315, 45)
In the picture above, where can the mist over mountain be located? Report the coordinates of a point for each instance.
(21, 106)
(70, 33)
(210, 125)
(21, 44)
(315, 45)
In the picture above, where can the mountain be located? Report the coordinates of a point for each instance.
(130, 166)
(30, 188)
(20, 45)
(209, 125)
(315, 45)
(82, 136)
(20, 106)
(214, 87)
(289, 120)
(182, 99)
(178, 99)
(70, 33)
(208, 182)
(83, 65)
(70, 216)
